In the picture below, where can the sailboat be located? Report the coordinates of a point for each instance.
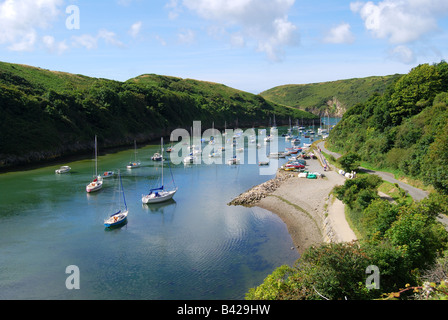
(159, 194)
(158, 156)
(121, 215)
(274, 128)
(136, 163)
(97, 182)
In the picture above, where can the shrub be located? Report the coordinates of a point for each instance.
(350, 161)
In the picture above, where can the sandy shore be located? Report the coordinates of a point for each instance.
(305, 205)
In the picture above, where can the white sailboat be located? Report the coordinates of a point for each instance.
(119, 217)
(97, 182)
(136, 163)
(159, 194)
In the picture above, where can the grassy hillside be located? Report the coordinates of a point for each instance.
(334, 96)
(46, 114)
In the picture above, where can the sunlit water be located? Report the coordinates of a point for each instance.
(193, 247)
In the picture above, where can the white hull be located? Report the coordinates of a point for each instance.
(64, 169)
(133, 165)
(94, 186)
(233, 161)
(161, 196)
(277, 155)
(189, 160)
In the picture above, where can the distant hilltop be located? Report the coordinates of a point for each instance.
(329, 98)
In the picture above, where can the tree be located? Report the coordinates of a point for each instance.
(350, 161)
(437, 163)
(413, 91)
(419, 235)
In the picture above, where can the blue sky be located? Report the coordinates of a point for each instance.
(251, 45)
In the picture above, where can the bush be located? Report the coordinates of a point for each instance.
(349, 162)
(419, 235)
(358, 192)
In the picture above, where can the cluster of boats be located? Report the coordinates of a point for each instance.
(161, 193)
(155, 195)
(196, 153)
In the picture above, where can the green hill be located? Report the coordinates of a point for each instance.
(47, 114)
(404, 129)
(335, 96)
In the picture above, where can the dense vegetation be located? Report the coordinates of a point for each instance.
(322, 97)
(404, 241)
(405, 129)
(46, 114)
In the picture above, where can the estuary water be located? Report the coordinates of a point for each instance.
(192, 247)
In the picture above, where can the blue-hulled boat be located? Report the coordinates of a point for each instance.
(119, 218)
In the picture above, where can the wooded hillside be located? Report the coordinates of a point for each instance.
(406, 128)
(47, 114)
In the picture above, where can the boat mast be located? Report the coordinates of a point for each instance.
(122, 190)
(161, 144)
(96, 158)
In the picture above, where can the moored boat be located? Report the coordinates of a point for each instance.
(189, 159)
(120, 217)
(108, 174)
(156, 157)
(135, 163)
(277, 155)
(97, 182)
(234, 160)
(63, 169)
(159, 194)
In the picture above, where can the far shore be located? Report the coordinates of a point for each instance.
(306, 206)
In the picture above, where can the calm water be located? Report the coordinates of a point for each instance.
(193, 247)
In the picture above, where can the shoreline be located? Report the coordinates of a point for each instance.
(311, 214)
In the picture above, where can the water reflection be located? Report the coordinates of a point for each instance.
(159, 207)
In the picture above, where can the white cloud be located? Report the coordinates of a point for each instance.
(401, 21)
(135, 29)
(53, 46)
(21, 19)
(26, 42)
(109, 37)
(174, 9)
(263, 23)
(340, 34)
(403, 54)
(91, 42)
(186, 36)
(86, 40)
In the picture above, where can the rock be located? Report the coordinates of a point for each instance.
(252, 196)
